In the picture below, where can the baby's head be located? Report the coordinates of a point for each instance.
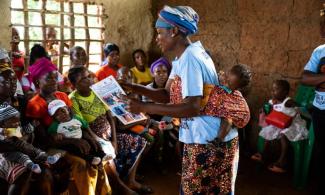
(124, 74)
(59, 111)
(280, 89)
(239, 77)
(9, 116)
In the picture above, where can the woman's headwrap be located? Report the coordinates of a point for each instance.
(109, 47)
(4, 55)
(183, 17)
(161, 61)
(41, 67)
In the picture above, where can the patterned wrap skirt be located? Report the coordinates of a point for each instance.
(210, 169)
(130, 147)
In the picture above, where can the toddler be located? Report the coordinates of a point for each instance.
(71, 126)
(227, 102)
(10, 133)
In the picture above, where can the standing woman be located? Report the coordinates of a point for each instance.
(204, 170)
(314, 75)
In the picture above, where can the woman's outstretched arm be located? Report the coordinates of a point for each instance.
(157, 95)
(189, 108)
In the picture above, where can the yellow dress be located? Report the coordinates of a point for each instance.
(142, 77)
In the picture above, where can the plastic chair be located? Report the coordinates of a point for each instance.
(305, 96)
(303, 148)
(302, 156)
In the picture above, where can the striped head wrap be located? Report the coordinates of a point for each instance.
(7, 111)
(183, 17)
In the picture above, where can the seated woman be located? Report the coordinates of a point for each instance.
(37, 56)
(112, 54)
(128, 147)
(141, 70)
(15, 178)
(87, 179)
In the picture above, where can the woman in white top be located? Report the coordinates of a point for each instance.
(205, 169)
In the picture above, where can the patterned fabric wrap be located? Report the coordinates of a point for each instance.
(176, 91)
(227, 105)
(219, 103)
(101, 127)
(207, 172)
(130, 148)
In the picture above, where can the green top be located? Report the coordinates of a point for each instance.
(88, 108)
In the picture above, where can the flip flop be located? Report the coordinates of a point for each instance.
(139, 178)
(257, 157)
(144, 189)
(276, 169)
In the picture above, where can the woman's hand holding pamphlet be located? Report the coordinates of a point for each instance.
(112, 94)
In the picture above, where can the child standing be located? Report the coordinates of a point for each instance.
(280, 102)
(10, 132)
(72, 126)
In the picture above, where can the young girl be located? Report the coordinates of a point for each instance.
(296, 131)
(78, 57)
(141, 70)
(10, 132)
(72, 126)
(112, 55)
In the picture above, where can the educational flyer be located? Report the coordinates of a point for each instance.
(110, 92)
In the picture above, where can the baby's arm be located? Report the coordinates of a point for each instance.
(225, 127)
(58, 137)
(290, 103)
(90, 137)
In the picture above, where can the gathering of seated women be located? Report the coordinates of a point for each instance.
(114, 171)
(57, 135)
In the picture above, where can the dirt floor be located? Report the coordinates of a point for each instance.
(251, 179)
